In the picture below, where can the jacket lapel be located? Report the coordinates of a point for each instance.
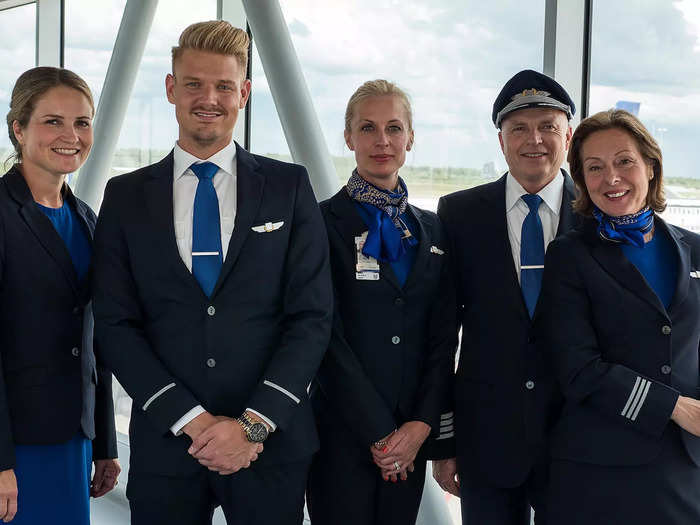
(424, 244)
(609, 255)
(494, 202)
(86, 219)
(41, 226)
(567, 218)
(158, 192)
(250, 184)
(684, 269)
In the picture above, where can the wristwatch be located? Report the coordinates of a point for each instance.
(255, 432)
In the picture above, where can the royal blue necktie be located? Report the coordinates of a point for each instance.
(206, 229)
(531, 253)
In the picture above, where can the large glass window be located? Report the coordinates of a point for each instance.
(646, 58)
(451, 57)
(17, 54)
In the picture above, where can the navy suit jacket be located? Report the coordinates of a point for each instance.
(391, 346)
(500, 423)
(256, 342)
(621, 358)
(51, 384)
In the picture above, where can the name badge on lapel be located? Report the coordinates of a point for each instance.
(695, 275)
(366, 267)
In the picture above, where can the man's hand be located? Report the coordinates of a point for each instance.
(686, 414)
(8, 495)
(199, 424)
(401, 449)
(445, 473)
(224, 448)
(105, 477)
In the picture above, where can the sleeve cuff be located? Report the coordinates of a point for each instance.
(189, 416)
(267, 420)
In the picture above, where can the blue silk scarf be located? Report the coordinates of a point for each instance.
(388, 236)
(625, 229)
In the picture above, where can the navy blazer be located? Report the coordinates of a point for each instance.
(500, 422)
(51, 384)
(255, 343)
(391, 345)
(621, 358)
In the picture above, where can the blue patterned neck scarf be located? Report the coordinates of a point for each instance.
(388, 236)
(625, 229)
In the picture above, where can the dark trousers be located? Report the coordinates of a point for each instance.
(346, 488)
(484, 504)
(271, 495)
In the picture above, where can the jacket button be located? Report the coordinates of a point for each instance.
(665, 329)
(76, 311)
(211, 362)
(665, 369)
(75, 351)
(399, 301)
(396, 339)
(211, 311)
(530, 385)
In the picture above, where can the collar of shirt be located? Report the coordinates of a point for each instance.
(225, 159)
(551, 194)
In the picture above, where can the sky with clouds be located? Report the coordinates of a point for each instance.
(451, 56)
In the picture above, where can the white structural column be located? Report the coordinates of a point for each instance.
(232, 11)
(291, 94)
(49, 33)
(119, 82)
(565, 52)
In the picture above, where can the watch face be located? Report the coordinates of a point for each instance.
(257, 433)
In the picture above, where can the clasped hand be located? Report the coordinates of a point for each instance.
(220, 444)
(401, 449)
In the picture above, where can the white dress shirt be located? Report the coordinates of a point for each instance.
(184, 189)
(516, 211)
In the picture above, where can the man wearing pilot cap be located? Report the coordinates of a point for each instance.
(492, 440)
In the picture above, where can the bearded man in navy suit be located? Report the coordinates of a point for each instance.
(212, 306)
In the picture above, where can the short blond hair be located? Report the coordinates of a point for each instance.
(377, 88)
(214, 36)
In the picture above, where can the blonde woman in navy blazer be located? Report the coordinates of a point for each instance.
(378, 392)
(56, 414)
(620, 316)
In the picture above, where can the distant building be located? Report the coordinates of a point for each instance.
(489, 170)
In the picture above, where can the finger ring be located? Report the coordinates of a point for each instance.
(397, 466)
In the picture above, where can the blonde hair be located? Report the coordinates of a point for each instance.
(377, 88)
(214, 36)
(29, 88)
(648, 147)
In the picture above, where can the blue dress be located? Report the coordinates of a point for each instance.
(53, 481)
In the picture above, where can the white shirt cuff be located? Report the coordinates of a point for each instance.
(189, 416)
(269, 422)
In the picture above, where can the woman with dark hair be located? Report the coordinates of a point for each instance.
(378, 392)
(619, 314)
(55, 397)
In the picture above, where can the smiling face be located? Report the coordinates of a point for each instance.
(534, 142)
(615, 172)
(380, 137)
(208, 90)
(58, 136)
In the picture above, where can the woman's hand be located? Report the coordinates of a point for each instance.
(8, 495)
(686, 414)
(105, 477)
(401, 449)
